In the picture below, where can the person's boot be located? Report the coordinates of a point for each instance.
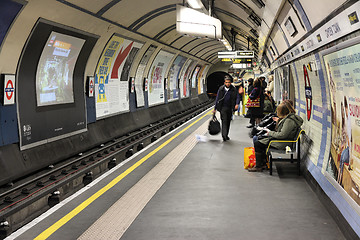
(259, 163)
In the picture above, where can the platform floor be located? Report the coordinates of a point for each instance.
(203, 194)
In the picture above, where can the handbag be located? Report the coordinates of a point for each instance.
(214, 126)
(253, 103)
(249, 157)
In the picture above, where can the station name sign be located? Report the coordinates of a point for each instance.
(236, 60)
(236, 54)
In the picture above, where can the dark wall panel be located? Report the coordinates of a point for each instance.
(38, 125)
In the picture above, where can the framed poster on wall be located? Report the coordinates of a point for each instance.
(156, 77)
(112, 76)
(139, 76)
(341, 64)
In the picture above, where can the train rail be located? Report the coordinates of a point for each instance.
(62, 179)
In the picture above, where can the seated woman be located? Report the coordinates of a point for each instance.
(288, 125)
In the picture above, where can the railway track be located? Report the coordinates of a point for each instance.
(25, 199)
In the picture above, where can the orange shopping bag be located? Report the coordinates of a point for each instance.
(249, 157)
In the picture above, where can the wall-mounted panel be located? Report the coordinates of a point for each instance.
(112, 76)
(172, 84)
(194, 76)
(56, 56)
(183, 81)
(201, 78)
(140, 74)
(156, 77)
(343, 74)
(290, 24)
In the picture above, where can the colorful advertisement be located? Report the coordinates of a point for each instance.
(139, 76)
(194, 76)
(201, 78)
(111, 77)
(173, 78)
(185, 79)
(157, 77)
(54, 75)
(343, 74)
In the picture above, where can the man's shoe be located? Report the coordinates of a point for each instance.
(227, 138)
(255, 169)
(224, 139)
(250, 126)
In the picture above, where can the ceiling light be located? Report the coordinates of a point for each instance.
(196, 4)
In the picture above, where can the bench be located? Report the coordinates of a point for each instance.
(274, 154)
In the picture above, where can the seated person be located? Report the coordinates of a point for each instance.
(288, 125)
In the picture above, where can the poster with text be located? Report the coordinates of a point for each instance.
(343, 74)
(185, 80)
(173, 78)
(156, 77)
(139, 76)
(111, 77)
(194, 76)
(201, 78)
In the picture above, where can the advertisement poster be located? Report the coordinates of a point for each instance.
(184, 78)
(173, 78)
(139, 76)
(54, 75)
(111, 87)
(157, 76)
(343, 73)
(194, 76)
(50, 91)
(201, 78)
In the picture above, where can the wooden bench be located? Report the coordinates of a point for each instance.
(274, 154)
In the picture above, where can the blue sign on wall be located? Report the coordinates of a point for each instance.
(8, 12)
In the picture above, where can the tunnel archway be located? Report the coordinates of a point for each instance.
(214, 81)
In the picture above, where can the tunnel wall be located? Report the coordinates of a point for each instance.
(16, 163)
(341, 200)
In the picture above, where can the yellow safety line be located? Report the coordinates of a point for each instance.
(47, 233)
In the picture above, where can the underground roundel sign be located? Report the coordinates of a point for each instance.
(9, 89)
(308, 93)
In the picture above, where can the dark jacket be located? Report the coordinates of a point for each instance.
(287, 129)
(234, 97)
(256, 112)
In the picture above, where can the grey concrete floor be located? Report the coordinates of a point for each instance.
(211, 196)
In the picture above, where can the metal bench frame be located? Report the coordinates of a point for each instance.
(282, 155)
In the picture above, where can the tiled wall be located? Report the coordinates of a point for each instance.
(318, 129)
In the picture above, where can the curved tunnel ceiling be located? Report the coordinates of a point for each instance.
(156, 19)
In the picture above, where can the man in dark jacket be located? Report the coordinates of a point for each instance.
(227, 101)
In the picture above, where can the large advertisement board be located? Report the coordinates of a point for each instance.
(201, 78)
(111, 77)
(54, 75)
(184, 78)
(139, 76)
(42, 120)
(173, 78)
(156, 77)
(194, 76)
(343, 74)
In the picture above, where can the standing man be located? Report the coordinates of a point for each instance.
(227, 101)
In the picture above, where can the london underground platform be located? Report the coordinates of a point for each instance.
(182, 188)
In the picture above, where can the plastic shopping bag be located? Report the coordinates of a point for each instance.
(249, 157)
